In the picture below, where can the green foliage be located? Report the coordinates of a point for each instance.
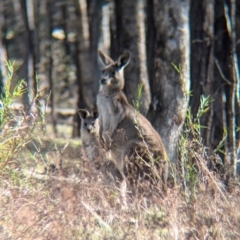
(138, 102)
(204, 106)
(8, 96)
(190, 143)
(222, 142)
(17, 126)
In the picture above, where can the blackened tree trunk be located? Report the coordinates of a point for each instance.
(130, 35)
(202, 71)
(169, 87)
(202, 46)
(222, 72)
(87, 81)
(214, 72)
(230, 16)
(94, 17)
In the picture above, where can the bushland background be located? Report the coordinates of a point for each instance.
(56, 42)
(185, 57)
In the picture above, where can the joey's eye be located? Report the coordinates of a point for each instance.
(85, 124)
(93, 123)
(113, 73)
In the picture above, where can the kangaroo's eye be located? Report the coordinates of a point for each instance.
(85, 124)
(93, 124)
(113, 73)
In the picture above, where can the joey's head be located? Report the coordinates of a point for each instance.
(90, 121)
(112, 77)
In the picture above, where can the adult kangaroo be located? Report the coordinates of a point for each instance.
(124, 130)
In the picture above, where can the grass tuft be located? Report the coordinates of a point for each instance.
(74, 200)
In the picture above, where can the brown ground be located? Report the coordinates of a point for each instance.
(79, 203)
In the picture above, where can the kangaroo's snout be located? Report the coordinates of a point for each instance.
(89, 129)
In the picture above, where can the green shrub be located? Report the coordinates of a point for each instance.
(17, 123)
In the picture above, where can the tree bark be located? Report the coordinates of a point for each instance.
(230, 13)
(94, 16)
(3, 51)
(202, 70)
(87, 68)
(130, 22)
(30, 61)
(87, 82)
(169, 88)
(238, 83)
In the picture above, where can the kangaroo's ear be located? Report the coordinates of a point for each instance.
(106, 60)
(124, 59)
(95, 115)
(83, 113)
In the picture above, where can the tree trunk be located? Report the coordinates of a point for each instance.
(94, 16)
(29, 60)
(130, 22)
(87, 70)
(170, 88)
(202, 70)
(3, 51)
(227, 72)
(87, 81)
(230, 13)
(238, 83)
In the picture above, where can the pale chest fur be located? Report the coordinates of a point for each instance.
(111, 112)
(105, 108)
(91, 145)
(91, 151)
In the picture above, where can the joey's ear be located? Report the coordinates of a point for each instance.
(106, 60)
(83, 113)
(95, 115)
(124, 59)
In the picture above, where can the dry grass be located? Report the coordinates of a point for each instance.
(49, 191)
(80, 203)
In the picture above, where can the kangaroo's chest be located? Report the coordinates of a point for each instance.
(90, 145)
(91, 151)
(108, 109)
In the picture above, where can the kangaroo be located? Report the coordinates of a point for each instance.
(93, 149)
(90, 134)
(124, 130)
(110, 95)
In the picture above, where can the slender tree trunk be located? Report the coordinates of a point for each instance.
(230, 14)
(106, 27)
(114, 52)
(86, 69)
(170, 88)
(94, 16)
(3, 52)
(150, 38)
(29, 60)
(50, 68)
(225, 54)
(130, 22)
(237, 42)
(87, 81)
